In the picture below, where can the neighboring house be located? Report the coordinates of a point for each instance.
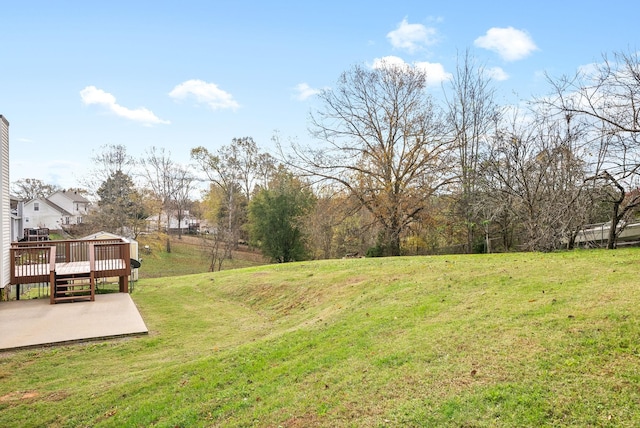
(41, 213)
(55, 212)
(187, 223)
(5, 206)
(72, 202)
(17, 231)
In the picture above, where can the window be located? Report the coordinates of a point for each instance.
(36, 206)
(66, 220)
(78, 220)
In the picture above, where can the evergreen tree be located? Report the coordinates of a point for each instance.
(275, 215)
(120, 204)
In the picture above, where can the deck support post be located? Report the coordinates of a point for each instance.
(124, 284)
(52, 274)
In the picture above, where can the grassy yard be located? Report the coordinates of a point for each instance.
(188, 255)
(505, 340)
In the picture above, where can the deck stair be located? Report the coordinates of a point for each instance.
(74, 287)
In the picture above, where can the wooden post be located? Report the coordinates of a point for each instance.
(92, 269)
(92, 286)
(124, 284)
(125, 253)
(52, 274)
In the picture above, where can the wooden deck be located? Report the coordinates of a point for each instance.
(70, 267)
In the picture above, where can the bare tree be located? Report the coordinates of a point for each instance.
(623, 205)
(240, 163)
(217, 251)
(30, 188)
(243, 156)
(608, 91)
(183, 186)
(233, 171)
(222, 215)
(158, 172)
(539, 169)
(380, 138)
(111, 158)
(472, 114)
(615, 177)
(606, 97)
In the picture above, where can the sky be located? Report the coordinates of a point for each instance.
(76, 76)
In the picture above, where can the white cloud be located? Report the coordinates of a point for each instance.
(304, 91)
(412, 37)
(389, 61)
(435, 71)
(509, 43)
(589, 69)
(205, 93)
(92, 95)
(497, 73)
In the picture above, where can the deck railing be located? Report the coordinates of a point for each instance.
(68, 250)
(33, 262)
(110, 259)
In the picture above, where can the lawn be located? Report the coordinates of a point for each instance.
(498, 340)
(189, 255)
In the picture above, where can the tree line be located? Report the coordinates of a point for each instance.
(392, 169)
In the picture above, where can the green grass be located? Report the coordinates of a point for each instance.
(509, 340)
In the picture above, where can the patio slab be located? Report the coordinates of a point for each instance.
(31, 323)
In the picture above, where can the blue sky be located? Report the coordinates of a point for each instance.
(77, 75)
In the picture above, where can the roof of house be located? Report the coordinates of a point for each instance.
(103, 235)
(51, 204)
(74, 196)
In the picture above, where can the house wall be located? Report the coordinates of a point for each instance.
(187, 219)
(17, 231)
(5, 205)
(46, 216)
(67, 202)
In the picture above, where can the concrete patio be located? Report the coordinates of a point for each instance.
(31, 323)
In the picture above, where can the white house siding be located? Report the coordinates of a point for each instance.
(17, 231)
(187, 219)
(46, 215)
(71, 202)
(5, 207)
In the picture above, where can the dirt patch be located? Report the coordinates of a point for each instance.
(302, 421)
(18, 395)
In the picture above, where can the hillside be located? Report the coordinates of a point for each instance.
(189, 255)
(485, 340)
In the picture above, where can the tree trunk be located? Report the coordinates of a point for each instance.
(611, 242)
(393, 242)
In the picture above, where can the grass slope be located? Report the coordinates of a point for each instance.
(473, 341)
(188, 256)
